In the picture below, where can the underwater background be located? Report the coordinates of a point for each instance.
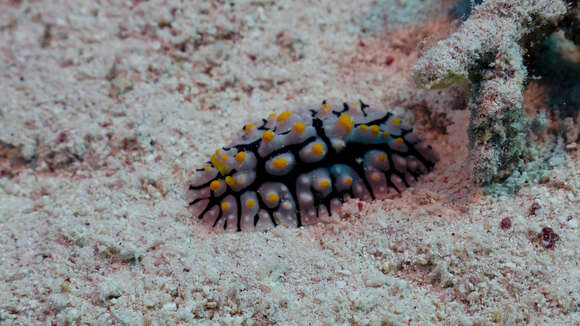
(108, 107)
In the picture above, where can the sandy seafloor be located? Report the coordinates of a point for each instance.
(106, 108)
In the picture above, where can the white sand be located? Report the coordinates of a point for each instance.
(104, 114)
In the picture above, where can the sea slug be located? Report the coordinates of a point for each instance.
(297, 168)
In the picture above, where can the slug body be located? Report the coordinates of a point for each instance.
(297, 169)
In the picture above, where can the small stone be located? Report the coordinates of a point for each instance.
(506, 223)
(534, 208)
(548, 238)
(386, 267)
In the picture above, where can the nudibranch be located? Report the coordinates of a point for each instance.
(297, 168)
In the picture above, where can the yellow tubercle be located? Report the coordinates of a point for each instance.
(318, 149)
(207, 168)
(396, 121)
(348, 181)
(399, 141)
(271, 116)
(250, 203)
(382, 158)
(345, 121)
(299, 127)
(375, 129)
(326, 107)
(268, 136)
(231, 181)
(225, 206)
(284, 116)
(215, 185)
(363, 127)
(385, 134)
(280, 163)
(240, 157)
(248, 127)
(324, 183)
(218, 164)
(224, 158)
(272, 197)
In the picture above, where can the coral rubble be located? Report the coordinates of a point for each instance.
(488, 50)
